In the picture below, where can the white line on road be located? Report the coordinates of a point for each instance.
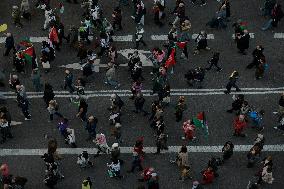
(38, 39)
(148, 94)
(126, 38)
(278, 89)
(209, 36)
(165, 37)
(250, 34)
(128, 150)
(278, 35)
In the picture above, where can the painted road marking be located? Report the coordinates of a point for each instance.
(250, 34)
(278, 35)
(144, 59)
(165, 37)
(278, 89)
(127, 94)
(16, 123)
(149, 150)
(123, 38)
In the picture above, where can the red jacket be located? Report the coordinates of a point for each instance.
(208, 176)
(239, 125)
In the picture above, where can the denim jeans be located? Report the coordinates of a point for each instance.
(267, 25)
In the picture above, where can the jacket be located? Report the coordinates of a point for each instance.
(183, 159)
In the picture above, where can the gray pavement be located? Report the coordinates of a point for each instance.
(233, 175)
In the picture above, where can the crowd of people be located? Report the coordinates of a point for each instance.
(96, 29)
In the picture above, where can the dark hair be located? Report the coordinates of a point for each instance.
(183, 149)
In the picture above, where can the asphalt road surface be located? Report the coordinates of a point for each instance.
(262, 94)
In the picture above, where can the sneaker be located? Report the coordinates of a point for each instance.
(183, 138)
(132, 17)
(207, 48)
(275, 128)
(28, 119)
(106, 82)
(203, 4)
(275, 112)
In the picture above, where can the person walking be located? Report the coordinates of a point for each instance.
(136, 162)
(82, 110)
(257, 54)
(243, 42)
(87, 183)
(53, 110)
(180, 108)
(232, 82)
(36, 80)
(227, 150)
(25, 10)
(68, 81)
(276, 15)
(239, 125)
(91, 126)
(139, 103)
(139, 36)
(9, 44)
(48, 94)
(16, 15)
(214, 62)
(110, 76)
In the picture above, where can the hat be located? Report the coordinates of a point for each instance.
(114, 145)
(67, 71)
(91, 117)
(15, 7)
(181, 5)
(117, 125)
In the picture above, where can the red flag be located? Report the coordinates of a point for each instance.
(171, 60)
(181, 44)
(29, 54)
(53, 35)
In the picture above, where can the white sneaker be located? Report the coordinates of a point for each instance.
(132, 17)
(275, 112)
(28, 119)
(275, 128)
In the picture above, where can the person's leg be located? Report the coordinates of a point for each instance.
(50, 117)
(137, 44)
(267, 25)
(185, 52)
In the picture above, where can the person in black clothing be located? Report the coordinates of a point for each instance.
(68, 81)
(139, 103)
(214, 62)
(237, 103)
(48, 94)
(82, 110)
(232, 83)
(257, 55)
(243, 42)
(9, 44)
(117, 18)
(227, 150)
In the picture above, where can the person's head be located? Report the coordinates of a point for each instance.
(181, 99)
(241, 117)
(183, 149)
(269, 158)
(234, 74)
(14, 77)
(67, 72)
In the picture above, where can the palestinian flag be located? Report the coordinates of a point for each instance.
(26, 42)
(200, 122)
(171, 60)
(181, 45)
(29, 54)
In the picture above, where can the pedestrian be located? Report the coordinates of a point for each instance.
(62, 127)
(102, 145)
(179, 12)
(253, 156)
(48, 94)
(82, 110)
(36, 80)
(117, 18)
(136, 88)
(53, 36)
(257, 119)
(227, 150)
(180, 108)
(116, 132)
(5, 129)
(207, 176)
(184, 38)
(280, 110)
(53, 110)
(276, 15)
(158, 8)
(16, 15)
(70, 137)
(139, 103)
(243, 42)
(266, 175)
(68, 81)
(9, 44)
(237, 103)
(183, 163)
(239, 125)
(114, 169)
(136, 162)
(257, 54)
(91, 126)
(25, 9)
(232, 82)
(24, 105)
(267, 7)
(82, 53)
(14, 81)
(214, 62)
(161, 142)
(104, 43)
(110, 76)
(188, 129)
(87, 183)
(139, 36)
(260, 69)
(201, 41)
(84, 160)
(116, 102)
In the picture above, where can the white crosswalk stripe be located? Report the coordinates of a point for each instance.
(278, 35)
(250, 34)
(149, 150)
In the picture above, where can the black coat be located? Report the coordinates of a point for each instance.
(243, 42)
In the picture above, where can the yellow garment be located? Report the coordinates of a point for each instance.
(84, 186)
(3, 27)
